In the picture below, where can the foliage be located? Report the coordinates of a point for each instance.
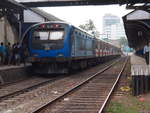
(90, 27)
(123, 41)
(116, 107)
(124, 45)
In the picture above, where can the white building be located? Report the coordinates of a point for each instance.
(112, 27)
(117, 31)
(108, 20)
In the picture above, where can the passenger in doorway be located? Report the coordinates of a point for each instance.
(146, 53)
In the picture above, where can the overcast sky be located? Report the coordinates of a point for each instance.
(77, 15)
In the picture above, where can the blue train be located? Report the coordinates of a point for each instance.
(57, 47)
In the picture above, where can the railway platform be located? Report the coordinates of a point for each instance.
(6, 67)
(11, 73)
(140, 73)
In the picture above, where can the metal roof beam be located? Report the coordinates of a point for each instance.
(144, 6)
(46, 3)
(11, 4)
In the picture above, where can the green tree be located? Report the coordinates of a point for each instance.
(90, 27)
(123, 41)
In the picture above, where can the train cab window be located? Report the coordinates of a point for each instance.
(52, 39)
(48, 35)
(56, 35)
(40, 35)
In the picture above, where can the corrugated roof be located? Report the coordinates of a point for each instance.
(46, 15)
(137, 30)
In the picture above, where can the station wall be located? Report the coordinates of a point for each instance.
(7, 33)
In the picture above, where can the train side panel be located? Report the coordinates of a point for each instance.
(82, 45)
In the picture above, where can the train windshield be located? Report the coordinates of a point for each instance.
(48, 39)
(48, 35)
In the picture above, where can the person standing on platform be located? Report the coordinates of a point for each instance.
(9, 54)
(12, 60)
(17, 54)
(146, 53)
(1, 53)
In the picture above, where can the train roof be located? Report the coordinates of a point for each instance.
(62, 22)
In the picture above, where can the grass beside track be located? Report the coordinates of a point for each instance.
(129, 104)
(118, 107)
(126, 103)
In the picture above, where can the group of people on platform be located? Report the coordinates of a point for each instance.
(146, 51)
(11, 54)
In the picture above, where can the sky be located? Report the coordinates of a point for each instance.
(78, 15)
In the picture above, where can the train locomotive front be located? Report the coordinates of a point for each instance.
(49, 47)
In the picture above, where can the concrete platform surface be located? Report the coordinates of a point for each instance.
(137, 60)
(11, 73)
(139, 66)
(6, 67)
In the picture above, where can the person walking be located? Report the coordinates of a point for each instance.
(146, 53)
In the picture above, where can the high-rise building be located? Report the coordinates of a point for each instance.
(112, 27)
(117, 31)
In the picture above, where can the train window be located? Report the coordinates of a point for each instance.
(79, 34)
(48, 35)
(40, 35)
(56, 35)
(52, 39)
(76, 32)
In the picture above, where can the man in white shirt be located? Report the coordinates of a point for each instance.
(146, 53)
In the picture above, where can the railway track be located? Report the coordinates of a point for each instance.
(31, 99)
(20, 87)
(90, 96)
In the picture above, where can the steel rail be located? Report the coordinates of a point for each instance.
(77, 86)
(113, 87)
(27, 89)
(12, 83)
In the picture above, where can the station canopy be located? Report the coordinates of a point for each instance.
(137, 25)
(46, 3)
(11, 4)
